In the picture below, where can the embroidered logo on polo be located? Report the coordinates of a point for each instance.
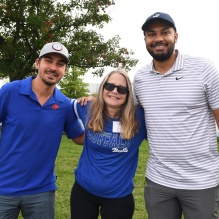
(111, 140)
(55, 106)
(178, 78)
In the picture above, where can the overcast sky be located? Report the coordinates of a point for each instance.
(196, 22)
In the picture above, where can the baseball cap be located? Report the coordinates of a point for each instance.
(54, 47)
(158, 16)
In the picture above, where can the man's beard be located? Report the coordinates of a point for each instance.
(49, 83)
(162, 56)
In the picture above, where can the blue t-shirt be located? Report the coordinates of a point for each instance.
(31, 136)
(108, 163)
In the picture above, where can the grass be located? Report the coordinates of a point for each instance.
(66, 162)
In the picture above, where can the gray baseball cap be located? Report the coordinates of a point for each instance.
(54, 47)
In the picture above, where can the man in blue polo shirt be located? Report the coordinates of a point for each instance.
(34, 114)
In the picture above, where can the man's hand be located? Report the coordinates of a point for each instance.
(83, 100)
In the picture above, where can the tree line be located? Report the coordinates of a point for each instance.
(26, 25)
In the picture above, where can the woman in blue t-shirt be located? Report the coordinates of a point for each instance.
(114, 130)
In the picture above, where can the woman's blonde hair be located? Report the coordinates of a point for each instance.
(97, 113)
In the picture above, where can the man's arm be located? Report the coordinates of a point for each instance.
(79, 140)
(216, 115)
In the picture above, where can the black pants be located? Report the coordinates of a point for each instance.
(87, 206)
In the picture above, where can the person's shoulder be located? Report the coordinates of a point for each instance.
(199, 63)
(143, 69)
(81, 111)
(59, 95)
(84, 108)
(139, 111)
(141, 72)
(196, 59)
(78, 105)
(13, 85)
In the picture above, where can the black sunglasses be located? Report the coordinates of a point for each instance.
(120, 89)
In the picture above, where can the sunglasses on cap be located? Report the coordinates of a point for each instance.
(120, 89)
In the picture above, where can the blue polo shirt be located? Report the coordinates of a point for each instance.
(31, 136)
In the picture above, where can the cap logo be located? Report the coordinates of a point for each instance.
(57, 46)
(156, 15)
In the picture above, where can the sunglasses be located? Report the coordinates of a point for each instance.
(120, 89)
